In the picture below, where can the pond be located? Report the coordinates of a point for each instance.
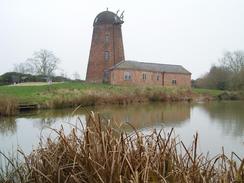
(219, 124)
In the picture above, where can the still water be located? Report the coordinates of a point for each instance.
(218, 123)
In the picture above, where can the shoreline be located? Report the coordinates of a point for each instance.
(67, 95)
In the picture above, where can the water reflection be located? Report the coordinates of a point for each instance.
(139, 115)
(228, 115)
(218, 123)
(145, 115)
(7, 126)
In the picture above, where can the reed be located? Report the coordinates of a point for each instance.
(100, 153)
(8, 106)
(72, 94)
(67, 98)
(91, 98)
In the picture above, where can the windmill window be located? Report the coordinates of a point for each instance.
(106, 76)
(106, 55)
(107, 38)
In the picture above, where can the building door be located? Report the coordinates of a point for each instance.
(163, 78)
(106, 76)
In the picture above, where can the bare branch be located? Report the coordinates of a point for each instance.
(44, 62)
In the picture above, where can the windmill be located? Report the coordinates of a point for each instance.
(121, 16)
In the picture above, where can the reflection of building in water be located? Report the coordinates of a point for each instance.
(139, 115)
(145, 115)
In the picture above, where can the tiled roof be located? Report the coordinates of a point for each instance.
(154, 67)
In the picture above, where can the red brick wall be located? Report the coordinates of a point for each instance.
(181, 79)
(117, 78)
(97, 63)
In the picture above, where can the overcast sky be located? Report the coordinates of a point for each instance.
(192, 33)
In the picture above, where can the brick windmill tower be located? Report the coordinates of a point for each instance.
(106, 46)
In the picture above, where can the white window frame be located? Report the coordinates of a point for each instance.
(106, 39)
(174, 82)
(158, 77)
(106, 55)
(144, 76)
(127, 76)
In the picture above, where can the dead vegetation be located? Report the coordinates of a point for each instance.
(61, 97)
(8, 106)
(73, 98)
(99, 153)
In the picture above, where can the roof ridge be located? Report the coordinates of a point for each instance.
(119, 63)
(152, 63)
(129, 64)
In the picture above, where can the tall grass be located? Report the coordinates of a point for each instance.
(8, 106)
(69, 92)
(99, 153)
(71, 98)
(84, 94)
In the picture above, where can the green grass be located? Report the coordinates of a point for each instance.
(210, 92)
(35, 93)
(71, 94)
(39, 94)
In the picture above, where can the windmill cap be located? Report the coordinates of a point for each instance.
(107, 17)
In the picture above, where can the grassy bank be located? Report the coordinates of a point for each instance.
(72, 94)
(220, 94)
(209, 92)
(98, 153)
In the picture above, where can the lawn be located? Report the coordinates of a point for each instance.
(41, 93)
(34, 93)
(71, 94)
(211, 92)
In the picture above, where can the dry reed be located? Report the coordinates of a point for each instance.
(99, 153)
(8, 106)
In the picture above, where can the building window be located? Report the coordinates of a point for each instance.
(144, 76)
(158, 77)
(106, 55)
(127, 76)
(173, 82)
(106, 38)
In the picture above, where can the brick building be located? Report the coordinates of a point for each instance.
(142, 73)
(107, 62)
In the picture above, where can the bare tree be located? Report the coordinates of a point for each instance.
(24, 68)
(76, 76)
(44, 62)
(63, 73)
(228, 75)
(233, 61)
